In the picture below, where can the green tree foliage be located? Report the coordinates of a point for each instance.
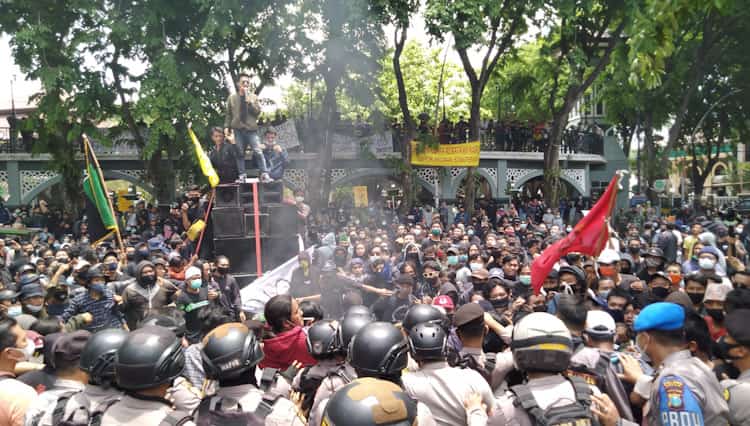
(489, 26)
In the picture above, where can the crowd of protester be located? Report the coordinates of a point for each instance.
(426, 318)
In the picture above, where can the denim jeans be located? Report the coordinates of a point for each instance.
(243, 138)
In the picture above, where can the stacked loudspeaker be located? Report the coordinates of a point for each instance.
(234, 228)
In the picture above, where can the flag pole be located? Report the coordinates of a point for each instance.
(106, 192)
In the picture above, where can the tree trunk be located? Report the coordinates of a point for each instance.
(649, 157)
(474, 120)
(326, 154)
(409, 128)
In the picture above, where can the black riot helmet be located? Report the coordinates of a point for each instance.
(151, 356)
(379, 349)
(420, 313)
(321, 339)
(359, 310)
(230, 350)
(370, 402)
(98, 356)
(348, 328)
(428, 342)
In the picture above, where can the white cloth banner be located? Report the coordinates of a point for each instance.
(256, 294)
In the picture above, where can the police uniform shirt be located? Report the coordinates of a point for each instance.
(284, 411)
(138, 411)
(83, 405)
(684, 393)
(40, 411)
(738, 392)
(443, 388)
(328, 387)
(550, 391)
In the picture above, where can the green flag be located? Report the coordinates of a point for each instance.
(101, 218)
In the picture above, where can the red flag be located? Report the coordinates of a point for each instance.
(588, 237)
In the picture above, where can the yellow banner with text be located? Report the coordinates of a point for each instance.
(450, 155)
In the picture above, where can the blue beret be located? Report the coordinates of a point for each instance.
(663, 316)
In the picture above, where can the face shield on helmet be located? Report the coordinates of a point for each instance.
(541, 342)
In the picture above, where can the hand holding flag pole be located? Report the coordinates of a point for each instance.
(588, 237)
(96, 188)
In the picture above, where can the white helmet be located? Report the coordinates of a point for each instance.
(541, 342)
(608, 256)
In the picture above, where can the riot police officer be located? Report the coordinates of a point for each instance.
(145, 366)
(542, 348)
(436, 384)
(367, 401)
(230, 354)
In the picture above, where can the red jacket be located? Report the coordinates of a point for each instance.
(283, 349)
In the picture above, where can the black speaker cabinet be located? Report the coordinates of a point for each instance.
(283, 219)
(228, 222)
(240, 252)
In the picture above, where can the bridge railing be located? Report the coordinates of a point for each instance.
(512, 140)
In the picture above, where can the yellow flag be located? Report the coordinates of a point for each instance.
(206, 167)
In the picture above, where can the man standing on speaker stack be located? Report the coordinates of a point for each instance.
(225, 156)
(241, 120)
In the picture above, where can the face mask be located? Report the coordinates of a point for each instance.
(723, 348)
(642, 349)
(196, 284)
(738, 230)
(603, 294)
(463, 258)
(653, 262)
(500, 303)
(634, 250)
(470, 232)
(696, 298)
(417, 232)
(607, 270)
(143, 253)
(435, 232)
(148, 280)
(540, 308)
(716, 314)
(70, 280)
(222, 270)
(452, 260)
(705, 263)
(29, 349)
(14, 311)
(660, 293)
(130, 257)
(34, 309)
(99, 287)
(299, 199)
(112, 266)
(475, 266)
(525, 279)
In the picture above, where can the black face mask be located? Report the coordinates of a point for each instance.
(130, 257)
(340, 261)
(143, 254)
(414, 257)
(61, 296)
(540, 308)
(723, 349)
(478, 285)
(500, 303)
(660, 293)
(222, 270)
(696, 298)
(634, 250)
(194, 200)
(431, 281)
(716, 314)
(148, 280)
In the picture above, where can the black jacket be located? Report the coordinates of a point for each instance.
(224, 159)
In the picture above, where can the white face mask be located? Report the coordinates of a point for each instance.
(706, 263)
(28, 351)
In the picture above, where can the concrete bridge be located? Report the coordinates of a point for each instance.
(24, 176)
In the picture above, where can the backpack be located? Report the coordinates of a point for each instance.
(212, 411)
(58, 411)
(309, 384)
(459, 360)
(577, 413)
(94, 418)
(594, 377)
